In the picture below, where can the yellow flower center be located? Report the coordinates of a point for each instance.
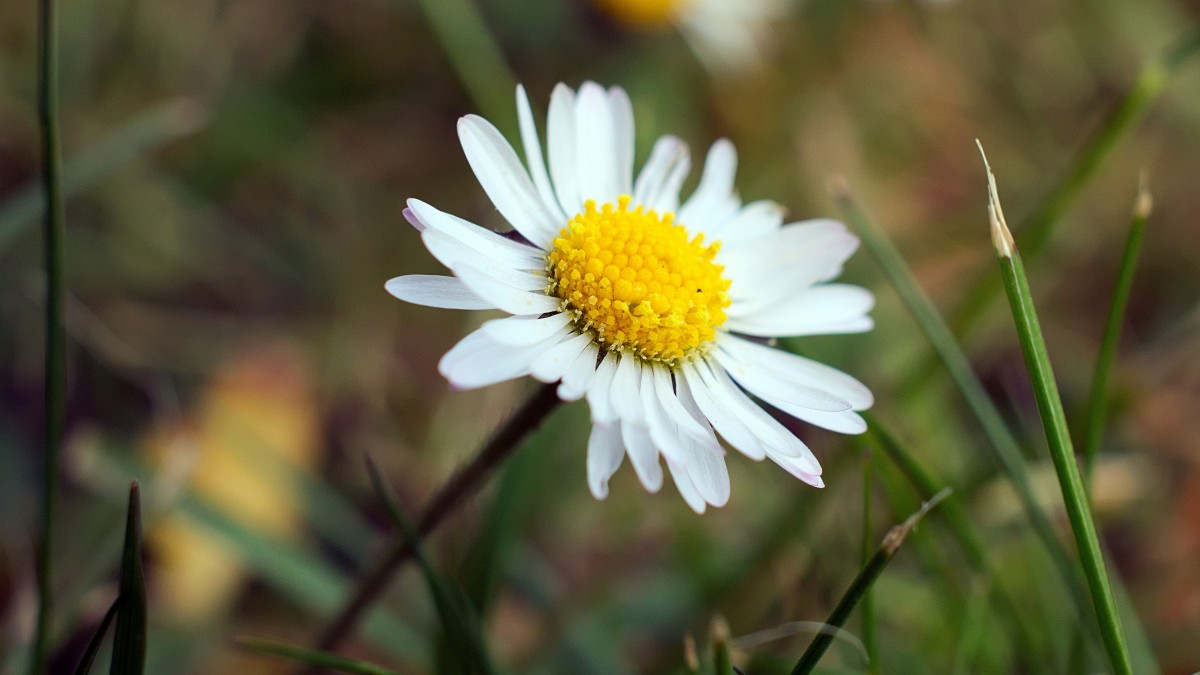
(642, 12)
(637, 283)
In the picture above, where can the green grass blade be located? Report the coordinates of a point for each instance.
(459, 623)
(955, 517)
(1034, 232)
(1045, 389)
(861, 584)
(959, 368)
(312, 657)
(54, 388)
(868, 603)
(466, 482)
(1097, 409)
(129, 637)
(89, 654)
(143, 132)
(475, 56)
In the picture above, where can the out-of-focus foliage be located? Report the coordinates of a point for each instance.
(231, 344)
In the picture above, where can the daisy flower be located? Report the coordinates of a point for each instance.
(647, 307)
(725, 34)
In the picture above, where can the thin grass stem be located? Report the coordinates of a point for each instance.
(311, 657)
(870, 642)
(1097, 410)
(457, 490)
(1054, 422)
(1007, 450)
(475, 56)
(862, 583)
(56, 350)
(954, 516)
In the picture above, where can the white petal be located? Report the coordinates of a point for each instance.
(505, 180)
(776, 266)
(478, 361)
(596, 152)
(599, 393)
(622, 115)
(772, 436)
(792, 367)
(687, 490)
(844, 422)
(800, 469)
(671, 405)
(658, 184)
(642, 455)
(533, 156)
(665, 434)
(604, 454)
(769, 385)
(723, 418)
(550, 366)
(626, 399)
(453, 254)
(713, 202)
(756, 219)
(525, 330)
(709, 474)
(414, 220)
(509, 299)
(813, 311)
(560, 146)
(500, 249)
(579, 374)
(435, 291)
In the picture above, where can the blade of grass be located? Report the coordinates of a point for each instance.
(973, 624)
(955, 517)
(862, 583)
(89, 654)
(459, 623)
(129, 636)
(311, 657)
(1007, 450)
(1035, 230)
(143, 132)
(54, 232)
(868, 602)
(461, 486)
(1097, 409)
(1045, 389)
(475, 56)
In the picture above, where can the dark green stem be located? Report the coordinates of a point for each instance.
(461, 486)
(861, 584)
(1097, 409)
(942, 339)
(1054, 422)
(55, 356)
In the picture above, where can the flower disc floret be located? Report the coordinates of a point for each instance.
(637, 283)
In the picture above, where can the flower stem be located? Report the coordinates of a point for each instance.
(1054, 422)
(1098, 401)
(55, 356)
(460, 487)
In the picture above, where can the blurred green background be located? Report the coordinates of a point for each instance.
(236, 174)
